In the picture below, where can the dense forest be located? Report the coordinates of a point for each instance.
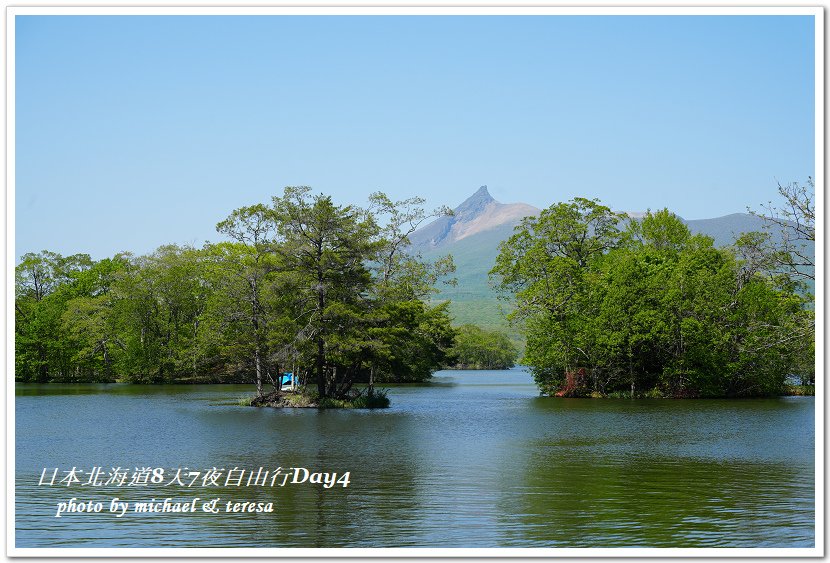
(619, 307)
(302, 285)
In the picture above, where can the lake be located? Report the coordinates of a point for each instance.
(475, 459)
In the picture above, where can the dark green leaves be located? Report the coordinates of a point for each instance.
(650, 309)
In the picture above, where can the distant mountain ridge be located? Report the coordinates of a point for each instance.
(472, 235)
(481, 212)
(477, 214)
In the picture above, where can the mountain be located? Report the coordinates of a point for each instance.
(472, 235)
(478, 214)
(725, 229)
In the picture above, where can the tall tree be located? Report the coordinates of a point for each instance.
(547, 267)
(248, 265)
(90, 322)
(327, 247)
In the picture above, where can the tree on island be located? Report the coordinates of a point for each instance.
(344, 297)
(644, 308)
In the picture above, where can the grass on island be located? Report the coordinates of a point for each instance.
(306, 398)
(800, 390)
(377, 399)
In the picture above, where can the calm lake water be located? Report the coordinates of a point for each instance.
(476, 459)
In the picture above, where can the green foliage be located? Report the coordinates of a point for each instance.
(477, 348)
(373, 399)
(409, 340)
(302, 285)
(650, 309)
(47, 285)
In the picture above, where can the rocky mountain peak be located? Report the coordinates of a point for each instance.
(478, 213)
(474, 204)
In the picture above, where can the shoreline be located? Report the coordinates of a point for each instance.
(309, 400)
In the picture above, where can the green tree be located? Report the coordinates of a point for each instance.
(326, 248)
(654, 310)
(88, 320)
(247, 266)
(44, 282)
(546, 267)
(477, 348)
(411, 341)
(325, 290)
(331, 288)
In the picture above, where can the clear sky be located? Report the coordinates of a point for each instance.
(132, 132)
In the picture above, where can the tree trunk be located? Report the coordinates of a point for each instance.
(321, 368)
(43, 370)
(321, 343)
(106, 362)
(195, 336)
(275, 383)
(258, 371)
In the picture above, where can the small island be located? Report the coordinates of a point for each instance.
(303, 398)
(619, 307)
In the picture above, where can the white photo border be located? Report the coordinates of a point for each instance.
(528, 9)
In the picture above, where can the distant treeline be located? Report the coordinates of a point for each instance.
(643, 308)
(478, 348)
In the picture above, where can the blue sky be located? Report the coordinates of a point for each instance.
(132, 132)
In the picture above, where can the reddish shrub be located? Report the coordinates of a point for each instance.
(576, 384)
